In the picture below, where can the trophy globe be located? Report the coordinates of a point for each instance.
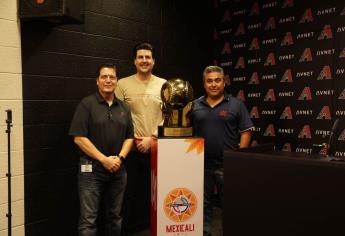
(176, 95)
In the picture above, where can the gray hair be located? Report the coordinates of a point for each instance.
(210, 69)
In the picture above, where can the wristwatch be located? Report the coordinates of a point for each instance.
(121, 158)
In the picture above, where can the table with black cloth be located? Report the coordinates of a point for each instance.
(283, 193)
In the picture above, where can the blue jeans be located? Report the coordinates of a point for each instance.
(212, 178)
(96, 186)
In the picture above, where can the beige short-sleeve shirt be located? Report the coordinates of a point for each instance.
(144, 101)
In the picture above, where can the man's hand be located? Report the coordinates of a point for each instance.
(144, 144)
(111, 163)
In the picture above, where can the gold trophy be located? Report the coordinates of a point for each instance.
(177, 95)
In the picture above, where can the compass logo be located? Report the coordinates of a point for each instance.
(180, 204)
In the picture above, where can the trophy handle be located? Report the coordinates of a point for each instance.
(180, 117)
(166, 115)
(186, 113)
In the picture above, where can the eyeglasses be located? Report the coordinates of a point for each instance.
(111, 77)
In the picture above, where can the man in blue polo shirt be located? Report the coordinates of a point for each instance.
(103, 130)
(223, 121)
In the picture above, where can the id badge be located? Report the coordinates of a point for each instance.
(86, 168)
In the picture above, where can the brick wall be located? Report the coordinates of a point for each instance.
(11, 98)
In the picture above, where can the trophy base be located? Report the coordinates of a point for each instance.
(175, 131)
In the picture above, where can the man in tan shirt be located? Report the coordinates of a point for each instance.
(142, 93)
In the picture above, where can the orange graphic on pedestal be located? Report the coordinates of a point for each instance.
(180, 204)
(195, 144)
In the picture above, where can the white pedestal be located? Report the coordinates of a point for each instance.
(177, 184)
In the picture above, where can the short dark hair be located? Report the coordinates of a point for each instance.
(145, 46)
(105, 65)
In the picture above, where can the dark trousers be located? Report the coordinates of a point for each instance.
(137, 200)
(212, 178)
